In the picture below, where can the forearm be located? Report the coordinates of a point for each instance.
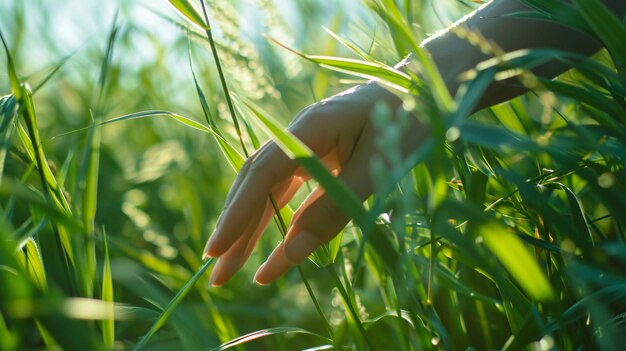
(454, 55)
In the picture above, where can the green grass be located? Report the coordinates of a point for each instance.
(504, 231)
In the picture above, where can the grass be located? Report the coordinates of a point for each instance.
(504, 231)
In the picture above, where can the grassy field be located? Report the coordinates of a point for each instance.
(123, 125)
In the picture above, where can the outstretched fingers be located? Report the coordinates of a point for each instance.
(248, 210)
(319, 219)
(264, 171)
(233, 259)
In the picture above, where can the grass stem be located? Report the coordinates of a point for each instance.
(220, 72)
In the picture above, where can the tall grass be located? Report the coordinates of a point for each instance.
(502, 232)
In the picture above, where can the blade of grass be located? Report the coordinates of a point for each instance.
(522, 266)
(13, 189)
(349, 303)
(365, 69)
(13, 77)
(31, 259)
(218, 64)
(401, 33)
(108, 325)
(581, 235)
(190, 13)
(24, 101)
(351, 46)
(52, 72)
(406, 44)
(7, 123)
(89, 171)
(233, 156)
(206, 110)
(558, 11)
(91, 161)
(47, 338)
(9, 340)
(48, 179)
(167, 311)
(608, 28)
(263, 333)
(50, 187)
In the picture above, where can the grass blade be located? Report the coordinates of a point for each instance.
(7, 123)
(13, 77)
(189, 12)
(352, 47)
(608, 28)
(12, 189)
(263, 333)
(52, 71)
(558, 11)
(522, 266)
(365, 69)
(10, 339)
(31, 259)
(580, 234)
(220, 73)
(165, 314)
(407, 43)
(108, 325)
(234, 157)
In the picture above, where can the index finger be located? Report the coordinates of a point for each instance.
(264, 171)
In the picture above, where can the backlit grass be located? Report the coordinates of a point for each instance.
(504, 231)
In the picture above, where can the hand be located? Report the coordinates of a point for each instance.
(339, 131)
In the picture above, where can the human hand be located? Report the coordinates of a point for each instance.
(339, 131)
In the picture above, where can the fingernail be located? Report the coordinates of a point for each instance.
(257, 274)
(212, 280)
(207, 247)
(217, 268)
(205, 252)
(298, 249)
(212, 238)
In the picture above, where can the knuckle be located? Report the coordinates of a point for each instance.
(246, 165)
(325, 217)
(258, 167)
(255, 162)
(313, 115)
(326, 209)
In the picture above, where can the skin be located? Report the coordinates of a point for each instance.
(339, 130)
